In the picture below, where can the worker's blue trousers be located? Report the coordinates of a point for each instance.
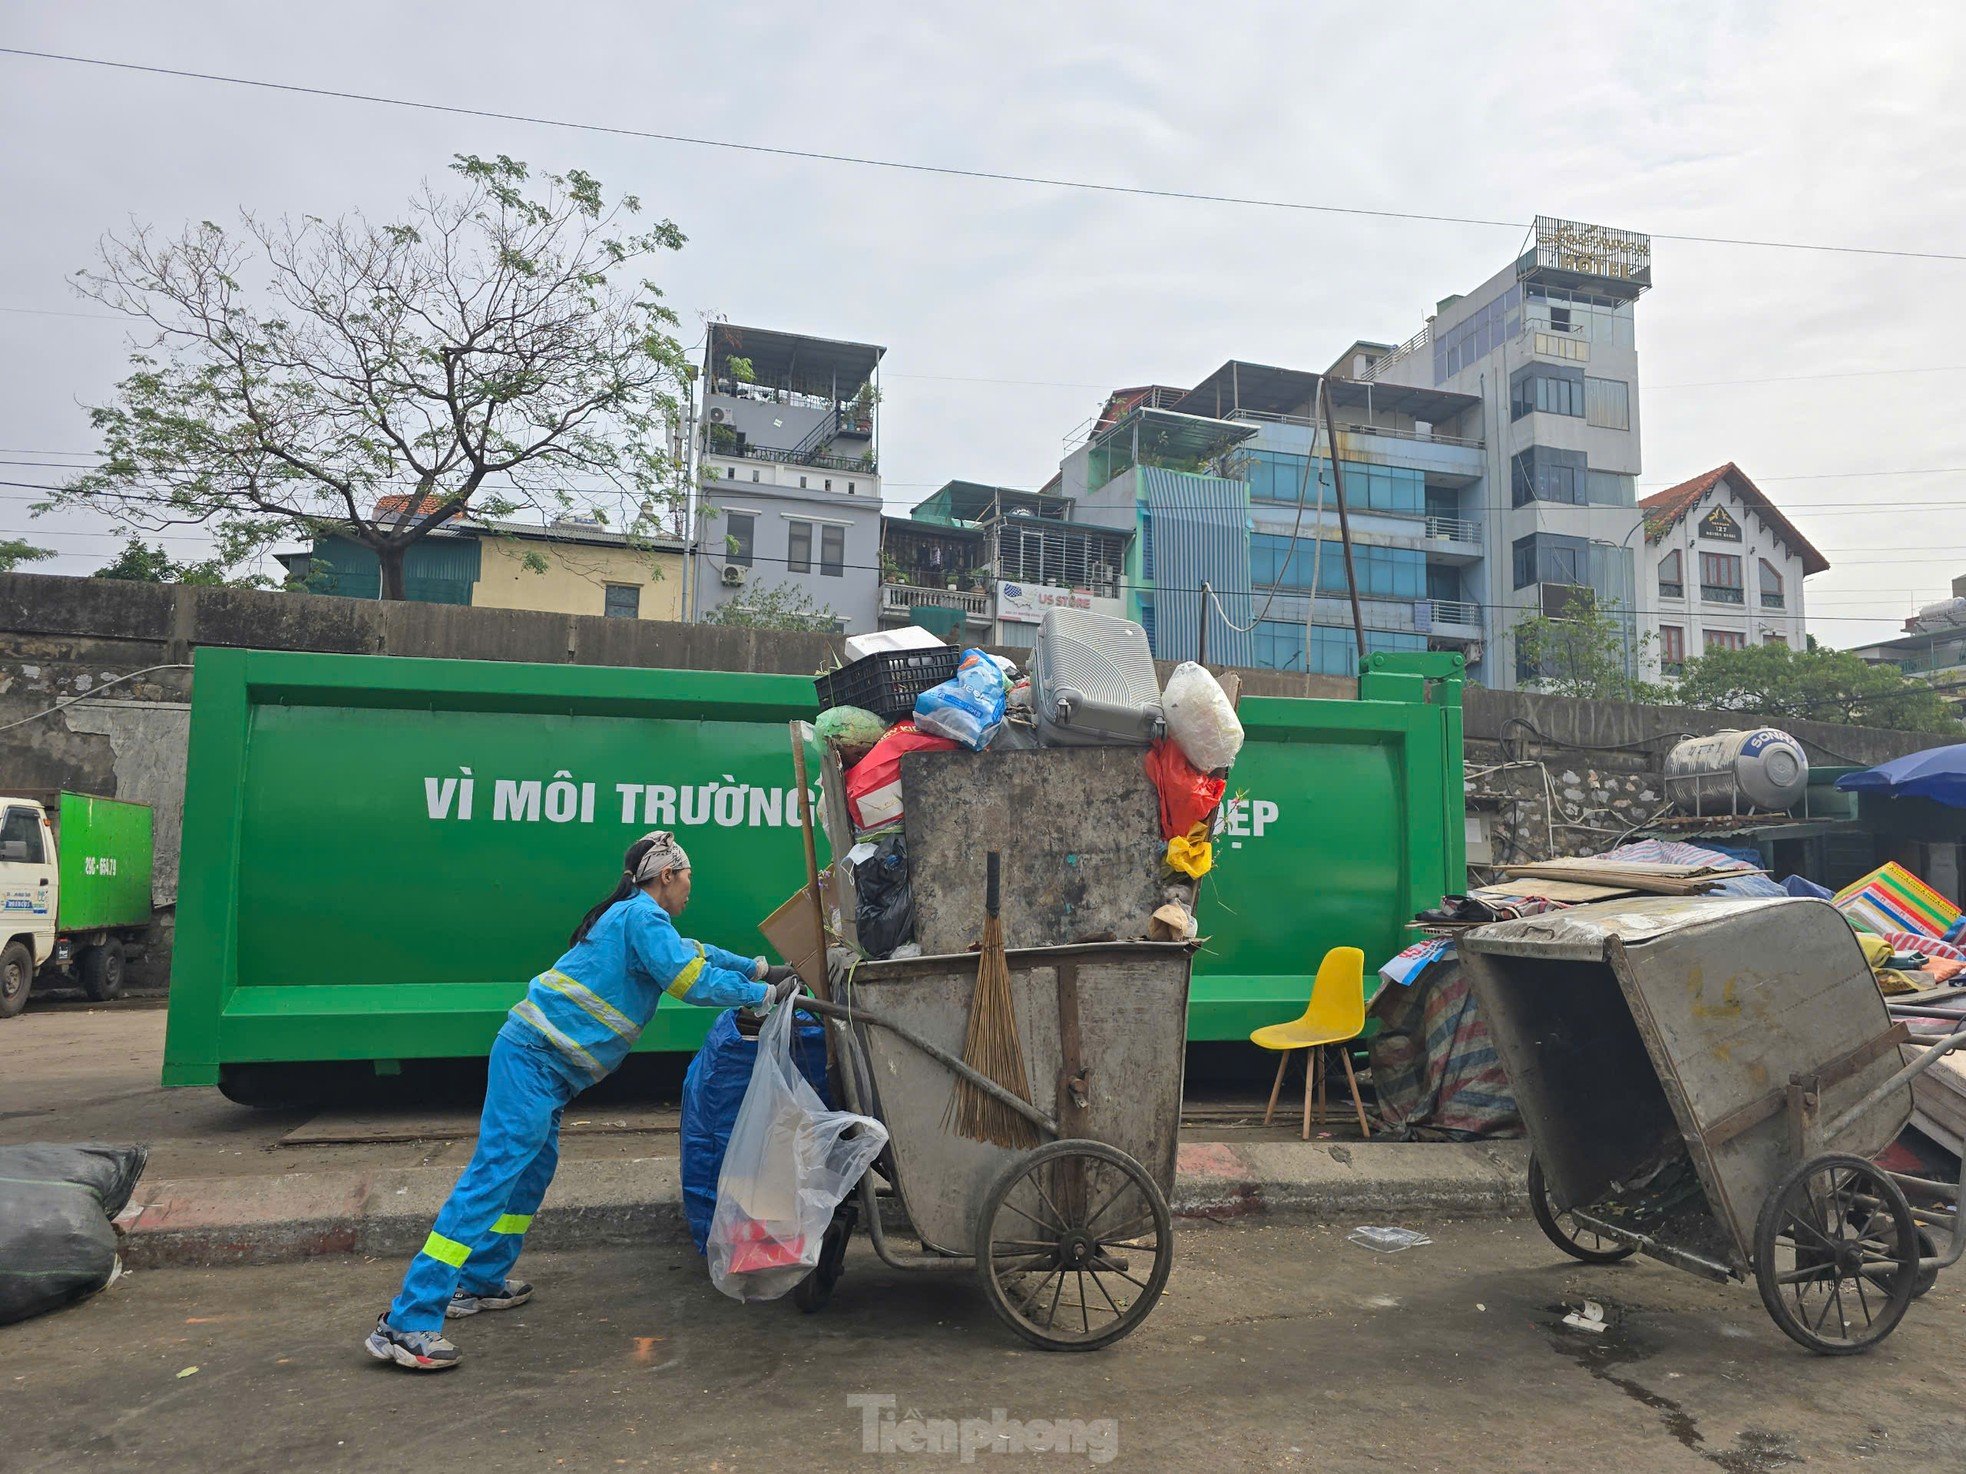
(483, 1223)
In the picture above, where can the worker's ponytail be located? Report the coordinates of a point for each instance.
(623, 889)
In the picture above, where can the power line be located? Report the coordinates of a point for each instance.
(944, 170)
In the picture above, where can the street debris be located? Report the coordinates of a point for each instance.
(1386, 1240)
(1589, 1318)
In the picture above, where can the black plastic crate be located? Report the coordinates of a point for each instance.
(887, 683)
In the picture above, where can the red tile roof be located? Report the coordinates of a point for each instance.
(1664, 509)
(395, 505)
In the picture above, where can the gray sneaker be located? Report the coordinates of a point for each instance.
(417, 1351)
(514, 1293)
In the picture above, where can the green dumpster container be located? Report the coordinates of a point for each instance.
(379, 853)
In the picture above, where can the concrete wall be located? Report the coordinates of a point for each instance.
(576, 577)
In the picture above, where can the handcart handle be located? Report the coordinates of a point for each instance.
(935, 1052)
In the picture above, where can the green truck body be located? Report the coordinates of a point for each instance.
(379, 853)
(105, 849)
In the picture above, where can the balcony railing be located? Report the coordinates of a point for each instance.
(899, 598)
(1672, 591)
(1773, 600)
(1316, 422)
(819, 462)
(1715, 593)
(1453, 611)
(1454, 530)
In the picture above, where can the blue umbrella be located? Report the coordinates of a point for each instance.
(1938, 773)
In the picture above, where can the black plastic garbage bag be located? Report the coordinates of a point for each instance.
(885, 913)
(56, 1203)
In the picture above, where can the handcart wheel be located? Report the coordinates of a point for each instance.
(1836, 1255)
(1074, 1245)
(815, 1292)
(1564, 1231)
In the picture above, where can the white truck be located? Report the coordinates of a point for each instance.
(74, 891)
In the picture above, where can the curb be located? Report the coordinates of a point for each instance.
(218, 1221)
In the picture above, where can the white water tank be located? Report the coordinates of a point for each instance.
(1734, 772)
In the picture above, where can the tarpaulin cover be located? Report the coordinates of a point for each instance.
(1434, 1066)
(56, 1203)
(712, 1091)
(1891, 898)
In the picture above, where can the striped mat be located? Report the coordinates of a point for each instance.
(1892, 899)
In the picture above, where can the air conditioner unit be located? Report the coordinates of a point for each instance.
(734, 575)
(719, 415)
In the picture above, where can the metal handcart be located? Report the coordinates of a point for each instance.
(1708, 1081)
(1072, 1239)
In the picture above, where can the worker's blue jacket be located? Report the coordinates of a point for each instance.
(593, 1003)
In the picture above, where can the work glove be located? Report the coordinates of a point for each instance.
(782, 981)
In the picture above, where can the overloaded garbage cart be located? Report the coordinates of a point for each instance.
(1007, 932)
(1708, 1081)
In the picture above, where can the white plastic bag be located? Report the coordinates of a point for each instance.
(1200, 720)
(788, 1165)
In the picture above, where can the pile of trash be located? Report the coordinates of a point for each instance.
(1090, 683)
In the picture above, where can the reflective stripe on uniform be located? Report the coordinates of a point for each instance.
(686, 979)
(512, 1223)
(592, 1004)
(529, 1011)
(446, 1251)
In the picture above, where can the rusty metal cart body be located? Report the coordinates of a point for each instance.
(1707, 1080)
(1071, 1239)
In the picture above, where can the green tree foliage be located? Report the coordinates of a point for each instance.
(1589, 652)
(785, 607)
(1776, 682)
(14, 552)
(483, 353)
(141, 563)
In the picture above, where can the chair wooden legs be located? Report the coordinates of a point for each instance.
(1283, 1063)
(1351, 1078)
(1317, 1083)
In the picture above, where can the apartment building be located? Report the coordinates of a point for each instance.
(999, 557)
(1547, 350)
(1933, 647)
(1724, 569)
(788, 489)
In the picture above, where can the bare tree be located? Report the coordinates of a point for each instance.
(482, 355)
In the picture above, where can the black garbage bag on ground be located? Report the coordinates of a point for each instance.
(885, 913)
(56, 1203)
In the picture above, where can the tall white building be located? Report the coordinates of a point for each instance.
(1548, 347)
(1723, 569)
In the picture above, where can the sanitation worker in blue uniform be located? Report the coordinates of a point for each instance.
(574, 1027)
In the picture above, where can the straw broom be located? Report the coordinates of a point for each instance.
(992, 1047)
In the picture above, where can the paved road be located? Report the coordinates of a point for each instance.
(1278, 1347)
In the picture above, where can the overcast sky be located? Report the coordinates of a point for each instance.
(1835, 381)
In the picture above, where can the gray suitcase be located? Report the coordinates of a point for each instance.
(1093, 682)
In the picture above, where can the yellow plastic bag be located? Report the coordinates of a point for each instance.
(1191, 853)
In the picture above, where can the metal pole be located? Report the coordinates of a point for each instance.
(1344, 522)
(1201, 635)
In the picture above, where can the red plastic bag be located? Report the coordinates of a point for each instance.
(1188, 796)
(873, 786)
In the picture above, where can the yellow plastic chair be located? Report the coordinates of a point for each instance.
(1335, 1015)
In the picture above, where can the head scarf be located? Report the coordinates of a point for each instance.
(662, 854)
